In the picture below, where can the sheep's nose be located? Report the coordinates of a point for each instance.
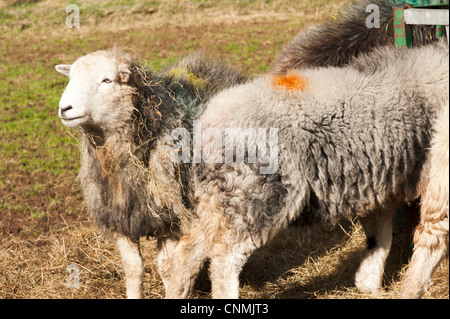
(65, 109)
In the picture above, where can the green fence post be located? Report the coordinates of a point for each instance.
(402, 32)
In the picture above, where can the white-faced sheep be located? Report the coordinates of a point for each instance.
(353, 142)
(126, 115)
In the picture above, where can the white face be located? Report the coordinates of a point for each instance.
(96, 93)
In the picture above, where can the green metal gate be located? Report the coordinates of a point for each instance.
(419, 12)
(424, 3)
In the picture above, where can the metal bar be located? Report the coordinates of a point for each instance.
(402, 32)
(426, 16)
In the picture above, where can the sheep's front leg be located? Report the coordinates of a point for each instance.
(226, 265)
(378, 229)
(166, 250)
(132, 264)
(184, 265)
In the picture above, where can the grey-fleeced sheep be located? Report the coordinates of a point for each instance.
(337, 43)
(126, 115)
(352, 141)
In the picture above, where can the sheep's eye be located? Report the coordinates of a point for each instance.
(106, 81)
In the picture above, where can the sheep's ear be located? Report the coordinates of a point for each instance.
(124, 73)
(63, 68)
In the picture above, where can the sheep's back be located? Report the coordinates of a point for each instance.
(357, 141)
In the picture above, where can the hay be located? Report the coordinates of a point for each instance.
(301, 263)
(313, 263)
(39, 269)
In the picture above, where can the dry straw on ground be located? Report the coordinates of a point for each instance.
(301, 263)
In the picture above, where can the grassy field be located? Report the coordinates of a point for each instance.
(43, 222)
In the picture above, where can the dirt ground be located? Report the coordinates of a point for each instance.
(45, 232)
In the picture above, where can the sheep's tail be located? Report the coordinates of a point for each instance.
(335, 43)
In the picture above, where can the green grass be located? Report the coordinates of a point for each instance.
(42, 15)
(32, 138)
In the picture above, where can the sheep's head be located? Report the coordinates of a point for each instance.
(98, 93)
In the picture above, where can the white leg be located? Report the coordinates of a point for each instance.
(132, 264)
(378, 230)
(430, 238)
(183, 266)
(224, 274)
(423, 264)
(193, 249)
(166, 250)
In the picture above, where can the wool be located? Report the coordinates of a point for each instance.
(354, 150)
(291, 82)
(196, 81)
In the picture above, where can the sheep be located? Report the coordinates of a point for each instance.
(431, 235)
(337, 43)
(352, 143)
(126, 115)
(344, 37)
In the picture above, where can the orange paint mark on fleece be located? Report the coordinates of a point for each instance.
(291, 82)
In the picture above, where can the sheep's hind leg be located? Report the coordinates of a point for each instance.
(132, 264)
(430, 242)
(431, 235)
(378, 229)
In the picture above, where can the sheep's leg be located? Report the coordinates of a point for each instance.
(132, 264)
(224, 274)
(430, 240)
(194, 247)
(431, 235)
(224, 271)
(184, 265)
(378, 229)
(166, 250)
(430, 247)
